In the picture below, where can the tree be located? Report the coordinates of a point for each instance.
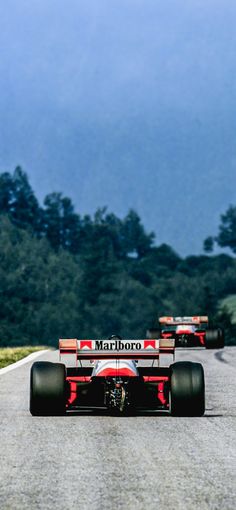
(19, 202)
(227, 229)
(227, 232)
(99, 263)
(62, 225)
(63, 275)
(7, 195)
(134, 238)
(25, 210)
(39, 298)
(208, 244)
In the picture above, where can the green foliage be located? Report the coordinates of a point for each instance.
(229, 305)
(61, 225)
(208, 244)
(227, 232)
(133, 236)
(37, 286)
(223, 318)
(19, 202)
(227, 229)
(62, 275)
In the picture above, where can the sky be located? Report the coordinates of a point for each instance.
(124, 104)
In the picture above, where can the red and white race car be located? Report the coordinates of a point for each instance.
(118, 375)
(189, 332)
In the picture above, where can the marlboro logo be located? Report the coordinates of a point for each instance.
(120, 345)
(149, 344)
(117, 345)
(85, 344)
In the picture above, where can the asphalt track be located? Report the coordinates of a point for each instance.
(98, 462)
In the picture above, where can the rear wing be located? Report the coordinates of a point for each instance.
(174, 321)
(116, 349)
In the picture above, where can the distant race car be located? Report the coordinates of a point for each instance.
(189, 332)
(120, 376)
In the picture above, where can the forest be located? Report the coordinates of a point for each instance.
(66, 275)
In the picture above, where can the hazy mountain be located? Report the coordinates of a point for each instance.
(127, 103)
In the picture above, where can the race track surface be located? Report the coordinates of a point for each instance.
(97, 462)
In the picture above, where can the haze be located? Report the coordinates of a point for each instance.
(124, 103)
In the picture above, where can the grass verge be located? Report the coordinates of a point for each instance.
(9, 355)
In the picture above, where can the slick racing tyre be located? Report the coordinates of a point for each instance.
(214, 339)
(47, 388)
(187, 389)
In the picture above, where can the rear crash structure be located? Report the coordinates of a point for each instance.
(120, 376)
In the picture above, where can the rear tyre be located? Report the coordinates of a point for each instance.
(214, 339)
(47, 388)
(187, 389)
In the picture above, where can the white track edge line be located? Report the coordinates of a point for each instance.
(22, 361)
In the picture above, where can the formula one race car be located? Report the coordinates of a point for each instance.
(189, 332)
(112, 377)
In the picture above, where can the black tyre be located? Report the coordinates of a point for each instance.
(187, 389)
(214, 339)
(47, 388)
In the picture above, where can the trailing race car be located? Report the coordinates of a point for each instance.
(189, 331)
(115, 380)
